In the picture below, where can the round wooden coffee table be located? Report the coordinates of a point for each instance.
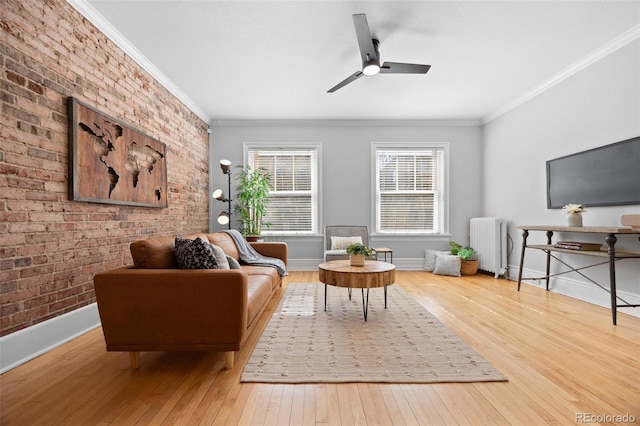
(373, 274)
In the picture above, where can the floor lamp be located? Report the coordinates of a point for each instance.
(224, 218)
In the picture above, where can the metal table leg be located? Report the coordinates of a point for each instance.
(611, 249)
(365, 305)
(525, 234)
(325, 297)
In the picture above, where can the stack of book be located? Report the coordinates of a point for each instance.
(574, 245)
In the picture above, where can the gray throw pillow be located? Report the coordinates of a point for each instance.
(233, 263)
(221, 258)
(194, 254)
(447, 264)
(430, 259)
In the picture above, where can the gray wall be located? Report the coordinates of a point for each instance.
(598, 105)
(346, 176)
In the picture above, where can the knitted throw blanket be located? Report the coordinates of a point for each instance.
(249, 256)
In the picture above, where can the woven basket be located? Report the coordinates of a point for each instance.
(469, 267)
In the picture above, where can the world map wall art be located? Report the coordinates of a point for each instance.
(112, 163)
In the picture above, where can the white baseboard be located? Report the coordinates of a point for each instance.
(408, 264)
(581, 290)
(24, 345)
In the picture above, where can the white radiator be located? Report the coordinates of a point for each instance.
(489, 239)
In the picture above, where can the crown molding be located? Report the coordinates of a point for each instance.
(89, 12)
(346, 123)
(615, 44)
(121, 41)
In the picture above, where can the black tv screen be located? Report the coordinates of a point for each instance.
(605, 176)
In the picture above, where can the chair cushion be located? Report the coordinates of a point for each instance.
(334, 252)
(341, 243)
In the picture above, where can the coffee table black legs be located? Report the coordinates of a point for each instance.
(365, 307)
(325, 297)
(365, 300)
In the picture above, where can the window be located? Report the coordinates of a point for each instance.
(410, 189)
(293, 200)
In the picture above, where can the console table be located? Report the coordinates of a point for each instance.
(608, 255)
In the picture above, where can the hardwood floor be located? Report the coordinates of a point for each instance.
(564, 359)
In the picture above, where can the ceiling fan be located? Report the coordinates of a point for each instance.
(371, 57)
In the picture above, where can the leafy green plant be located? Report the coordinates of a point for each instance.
(252, 198)
(464, 253)
(455, 247)
(359, 249)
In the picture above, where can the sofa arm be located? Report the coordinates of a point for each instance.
(278, 250)
(171, 309)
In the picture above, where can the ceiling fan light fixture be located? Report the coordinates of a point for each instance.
(371, 69)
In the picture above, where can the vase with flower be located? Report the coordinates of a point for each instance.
(574, 212)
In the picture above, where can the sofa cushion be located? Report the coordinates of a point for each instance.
(194, 254)
(156, 253)
(225, 242)
(265, 271)
(259, 292)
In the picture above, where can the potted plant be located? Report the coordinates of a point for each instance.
(252, 197)
(357, 253)
(468, 257)
(575, 213)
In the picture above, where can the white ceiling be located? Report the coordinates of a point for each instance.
(264, 60)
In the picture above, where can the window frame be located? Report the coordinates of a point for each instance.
(293, 146)
(444, 197)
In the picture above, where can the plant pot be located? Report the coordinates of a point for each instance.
(357, 259)
(469, 267)
(252, 238)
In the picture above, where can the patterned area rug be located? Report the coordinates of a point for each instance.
(401, 344)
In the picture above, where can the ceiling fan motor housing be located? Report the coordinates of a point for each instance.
(372, 66)
(370, 55)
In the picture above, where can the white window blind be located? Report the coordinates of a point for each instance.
(293, 199)
(409, 190)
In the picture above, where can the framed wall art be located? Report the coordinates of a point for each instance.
(110, 162)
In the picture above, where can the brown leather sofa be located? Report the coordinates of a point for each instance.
(154, 306)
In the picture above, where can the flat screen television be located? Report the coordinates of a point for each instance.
(605, 176)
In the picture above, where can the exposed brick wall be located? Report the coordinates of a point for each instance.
(51, 247)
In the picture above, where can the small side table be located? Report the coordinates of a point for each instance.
(385, 251)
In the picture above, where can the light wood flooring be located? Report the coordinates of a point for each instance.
(564, 359)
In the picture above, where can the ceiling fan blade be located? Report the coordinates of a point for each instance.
(365, 41)
(402, 68)
(356, 75)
